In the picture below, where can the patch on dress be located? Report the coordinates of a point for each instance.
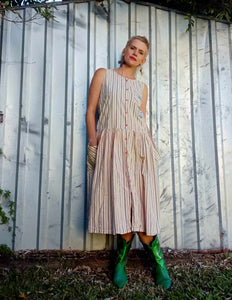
(140, 114)
(139, 96)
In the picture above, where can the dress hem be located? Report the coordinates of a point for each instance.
(115, 233)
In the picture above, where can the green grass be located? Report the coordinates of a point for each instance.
(43, 282)
(60, 281)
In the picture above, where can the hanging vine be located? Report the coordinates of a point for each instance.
(220, 10)
(41, 10)
(216, 9)
(6, 209)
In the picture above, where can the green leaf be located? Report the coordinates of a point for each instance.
(6, 194)
(18, 14)
(227, 17)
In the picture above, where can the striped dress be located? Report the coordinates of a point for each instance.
(123, 193)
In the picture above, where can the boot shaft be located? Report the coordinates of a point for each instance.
(154, 251)
(123, 249)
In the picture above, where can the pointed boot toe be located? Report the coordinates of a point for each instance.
(166, 283)
(120, 277)
(162, 276)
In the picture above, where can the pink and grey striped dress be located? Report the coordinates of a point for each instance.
(123, 192)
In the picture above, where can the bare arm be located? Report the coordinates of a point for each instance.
(143, 109)
(93, 98)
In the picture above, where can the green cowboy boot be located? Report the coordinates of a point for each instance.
(161, 273)
(120, 277)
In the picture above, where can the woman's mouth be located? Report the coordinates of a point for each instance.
(133, 58)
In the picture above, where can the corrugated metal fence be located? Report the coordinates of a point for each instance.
(46, 68)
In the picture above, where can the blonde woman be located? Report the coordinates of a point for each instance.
(122, 160)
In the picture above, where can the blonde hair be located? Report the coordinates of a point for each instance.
(135, 37)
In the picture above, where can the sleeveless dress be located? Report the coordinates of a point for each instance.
(123, 193)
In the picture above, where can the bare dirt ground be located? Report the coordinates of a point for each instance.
(101, 262)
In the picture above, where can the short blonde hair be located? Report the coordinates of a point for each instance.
(135, 37)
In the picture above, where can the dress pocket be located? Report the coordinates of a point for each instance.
(155, 151)
(91, 157)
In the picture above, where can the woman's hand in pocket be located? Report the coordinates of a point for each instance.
(91, 157)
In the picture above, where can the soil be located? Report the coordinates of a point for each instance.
(99, 262)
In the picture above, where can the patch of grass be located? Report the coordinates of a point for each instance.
(42, 281)
(5, 251)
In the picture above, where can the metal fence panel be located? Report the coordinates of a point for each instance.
(46, 69)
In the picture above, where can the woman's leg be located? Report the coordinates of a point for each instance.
(146, 239)
(127, 236)
(152, 247)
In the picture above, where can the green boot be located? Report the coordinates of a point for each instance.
(120, 277)
(161, 273)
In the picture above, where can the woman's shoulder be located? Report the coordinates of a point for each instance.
(100, 72)
(99, 76)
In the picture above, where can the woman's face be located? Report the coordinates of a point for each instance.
(135, 54)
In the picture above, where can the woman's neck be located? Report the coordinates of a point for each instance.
(127, 71)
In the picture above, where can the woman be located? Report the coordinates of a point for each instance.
(122, 160)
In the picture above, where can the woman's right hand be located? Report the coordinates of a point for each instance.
(93, 142)
(91, 157)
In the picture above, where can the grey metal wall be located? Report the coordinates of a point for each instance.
(46, 68)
